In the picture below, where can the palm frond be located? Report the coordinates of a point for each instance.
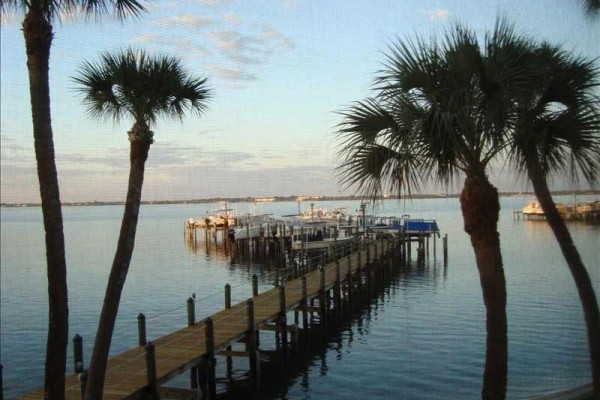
(142, 86)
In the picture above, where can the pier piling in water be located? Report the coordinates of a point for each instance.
(337, 287)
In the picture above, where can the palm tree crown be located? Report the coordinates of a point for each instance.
(133, 83)
(558, 126)
(438, 110)
(55, 9)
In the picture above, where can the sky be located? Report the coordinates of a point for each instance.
(280, 70)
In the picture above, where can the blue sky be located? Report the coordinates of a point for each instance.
(280, 69)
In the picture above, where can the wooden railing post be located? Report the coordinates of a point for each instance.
(304, 306)
(251, 347)
(191, 312)
(77, 354)
(141, 329)
(228, 296)
(254, 285)
(151, 372)
(283, 318)
(210, 357)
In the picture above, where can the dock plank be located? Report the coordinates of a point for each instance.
(177, 351)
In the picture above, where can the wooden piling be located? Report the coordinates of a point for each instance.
(210, 357)
(445, 245)
(77, 354)
(151, 372)
(191, 312)
(252, 348)
(283, 318)
(322, 298)
(337, 291)
(141, 329)
(304, 305)
(227, 296)
(254, 285)
(82, 382)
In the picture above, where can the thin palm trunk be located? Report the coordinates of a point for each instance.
(480, 209)
(96, 374)
(37, 32)
(578, 270)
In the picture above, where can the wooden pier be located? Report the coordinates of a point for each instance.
(141, 372)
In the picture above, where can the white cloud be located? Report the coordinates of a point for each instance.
(271, 35)
(147, 38)
(188, 20)
(233, 19)
(232, 74)
(438, 14)
(213, 3)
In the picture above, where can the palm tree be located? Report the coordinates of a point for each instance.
(557, 131)
(439, 111)
(132, 84)
(38, 34)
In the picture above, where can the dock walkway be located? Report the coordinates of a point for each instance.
(127, 376)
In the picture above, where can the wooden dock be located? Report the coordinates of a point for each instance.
(140, 371)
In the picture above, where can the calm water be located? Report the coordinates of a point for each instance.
(423, 338)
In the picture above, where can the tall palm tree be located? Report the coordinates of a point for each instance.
(38, 34)
(440, 111)
(132, 84)
(558, 131)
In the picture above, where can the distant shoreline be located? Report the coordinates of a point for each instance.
(275, 199)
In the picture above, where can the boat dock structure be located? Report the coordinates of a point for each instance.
(584, 211)
(307, 296)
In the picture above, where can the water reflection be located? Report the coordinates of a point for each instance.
(323, 350)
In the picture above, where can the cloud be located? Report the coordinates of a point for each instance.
(250, 49)
(187, 20)
(438, 14)
(213, 3)
(276, 38)
(231, 74)
(147, 38)
(233, 19)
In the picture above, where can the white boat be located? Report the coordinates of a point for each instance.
(567, 211)
(249, 232)
(335, 216)
(322, 244)
(214, 219)
(533, 208)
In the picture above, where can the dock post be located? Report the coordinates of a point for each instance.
(359, 276)
(349, 285)
(191, 316)
(227, 296)
(304, 306)
(445, 245)
(210, 356)
(191, 312)
(77, 354)
(337, 291)
(283, 318)
(322, 299)
(251, 347)
(141, 329)
(82, 382)
(228, 360)
(434, 244)
(254, 285)
(151, 371)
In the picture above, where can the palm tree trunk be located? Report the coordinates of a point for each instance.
(97, 371)
(38, 35)
(580, 275)
(481, 208)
